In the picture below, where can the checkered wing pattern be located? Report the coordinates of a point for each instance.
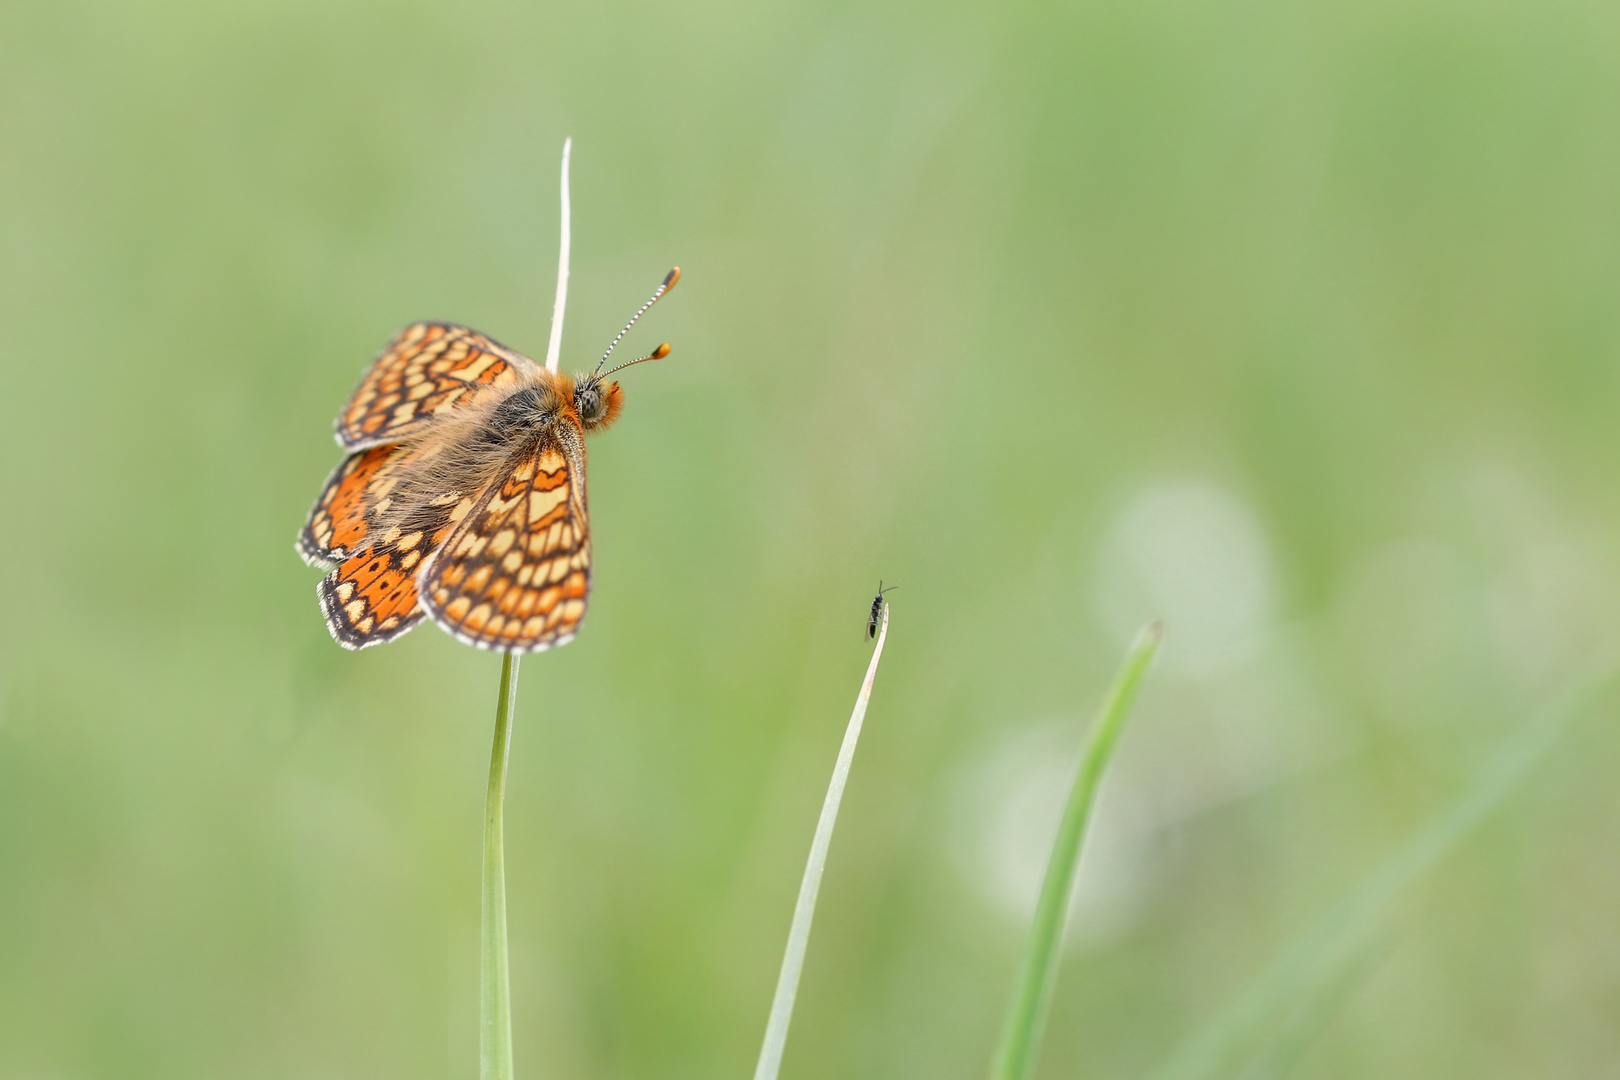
(339, 520)
(514, 575)
(371, 597)
(428, 370)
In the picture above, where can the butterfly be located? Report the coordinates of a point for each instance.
(463, 493)
(876, 617)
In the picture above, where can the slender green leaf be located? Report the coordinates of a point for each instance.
(1279, 1056)
(787, 983)
(1334, 940)
(495, 988)
(1032, 996)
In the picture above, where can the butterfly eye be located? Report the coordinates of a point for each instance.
(588, 403)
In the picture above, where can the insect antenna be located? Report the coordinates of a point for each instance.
(663, 350)
(877, 609)
(657, 354)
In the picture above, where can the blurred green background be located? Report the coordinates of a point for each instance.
(1293, 324)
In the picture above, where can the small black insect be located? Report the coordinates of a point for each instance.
(877, 610)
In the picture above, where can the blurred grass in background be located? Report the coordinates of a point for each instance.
(1292, 324)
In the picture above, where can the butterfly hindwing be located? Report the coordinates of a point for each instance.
(429, 369)
(514, 575)
(371, 597)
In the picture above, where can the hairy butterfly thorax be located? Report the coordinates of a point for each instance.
(527, 413)
(463, 496)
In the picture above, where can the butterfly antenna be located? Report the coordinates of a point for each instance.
(657, 354)
(669, 283)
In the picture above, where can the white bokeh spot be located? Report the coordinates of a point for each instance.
(1188, 552)
(1006, 804)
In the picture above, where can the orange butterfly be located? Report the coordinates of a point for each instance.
(463, 496)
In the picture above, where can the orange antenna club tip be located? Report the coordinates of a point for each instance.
(669, 283)
(657, 354)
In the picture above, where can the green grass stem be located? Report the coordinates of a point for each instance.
(1020, 1040)
(495, 987)
(1315, 961)
(1280, 1054)
(787, 982)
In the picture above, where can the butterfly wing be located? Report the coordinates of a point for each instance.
(515, 574)
(429, 369)
(338, 522)
(371, 596)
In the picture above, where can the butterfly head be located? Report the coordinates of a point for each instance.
(599, 400)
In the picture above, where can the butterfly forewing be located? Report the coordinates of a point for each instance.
(514, 575)
(428, 370)
(339, 521)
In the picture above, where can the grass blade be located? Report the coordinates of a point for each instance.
(495, 987)
(564, 240)
(1334, 941)
(1308, 1019)
(1020, 1041)
(787, 983)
